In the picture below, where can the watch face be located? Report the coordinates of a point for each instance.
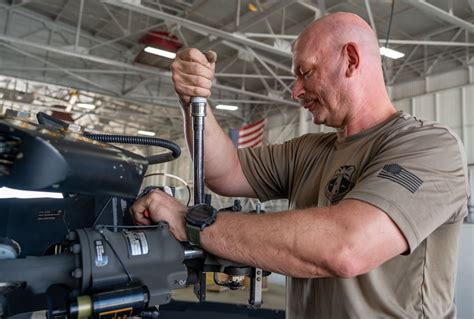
(201, 215)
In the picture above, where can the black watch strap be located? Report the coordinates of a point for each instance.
(194, 234)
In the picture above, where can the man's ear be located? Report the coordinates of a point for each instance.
(352, 52)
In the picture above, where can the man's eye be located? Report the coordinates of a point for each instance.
(307, 75)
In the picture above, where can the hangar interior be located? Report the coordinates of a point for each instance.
(86, 62)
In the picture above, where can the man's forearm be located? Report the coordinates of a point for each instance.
(223, 173)
(344, 240)
(272, 241)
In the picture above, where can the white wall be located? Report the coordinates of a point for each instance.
(453, 107)
(464, 293)
(432, 83)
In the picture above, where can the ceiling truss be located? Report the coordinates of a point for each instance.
(57, 41)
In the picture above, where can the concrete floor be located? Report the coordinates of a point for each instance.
(273, 298)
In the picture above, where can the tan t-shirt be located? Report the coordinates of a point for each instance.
(413, 170)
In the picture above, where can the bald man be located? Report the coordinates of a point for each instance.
(375, 208)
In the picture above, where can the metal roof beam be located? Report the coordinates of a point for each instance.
(371, 17)
(250, 19)
(257, 95)
(75, 70)
(267, 60)
(269, 70)
(144, 70)
(431, 43)
(87, 57)
(405, 63)
(108, 42)
(79, 77)
(197, 27)
(441, 14)
(471, 3)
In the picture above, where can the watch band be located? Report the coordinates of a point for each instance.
(194, 234)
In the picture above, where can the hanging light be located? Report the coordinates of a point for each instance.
(163, 53)
(392, 54)
(227, 107)
(146, 133)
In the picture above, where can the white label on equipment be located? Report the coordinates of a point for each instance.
(101, 258)
(137, 243)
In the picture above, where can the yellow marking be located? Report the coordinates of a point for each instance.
(117, 313)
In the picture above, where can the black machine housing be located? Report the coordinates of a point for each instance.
(61, 252)
(81, 256)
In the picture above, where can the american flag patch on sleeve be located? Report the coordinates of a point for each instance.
(399, 175)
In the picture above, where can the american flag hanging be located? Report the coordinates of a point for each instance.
(250, 135)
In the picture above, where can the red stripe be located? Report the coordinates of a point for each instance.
(244, 131)
(251, 139)
(256, 143)
(252, 125)
(251, 132)
(251, 145)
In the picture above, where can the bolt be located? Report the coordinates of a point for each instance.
(77, 273)
(75, 249)
(258, 278)
(71, 236)
(259, 272)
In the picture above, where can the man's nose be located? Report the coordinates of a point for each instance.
(297, 91)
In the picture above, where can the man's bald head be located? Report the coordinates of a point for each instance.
(331, 32)
(337, 66)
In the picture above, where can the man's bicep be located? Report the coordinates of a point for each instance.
(242, 187)
(232, 184)
(375, 237)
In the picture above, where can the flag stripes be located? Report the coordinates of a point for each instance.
(250, 135)
(403, 177)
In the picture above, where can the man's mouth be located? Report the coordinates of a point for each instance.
(311, 104)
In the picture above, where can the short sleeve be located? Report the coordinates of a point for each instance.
(270, 169)
(418, 178)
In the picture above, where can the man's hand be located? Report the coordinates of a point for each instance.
(192, 73)
(162, 208)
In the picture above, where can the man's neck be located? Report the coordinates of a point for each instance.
(365, 119)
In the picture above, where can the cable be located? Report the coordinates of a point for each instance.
(388, 33)
(141, 140)
(175, 177)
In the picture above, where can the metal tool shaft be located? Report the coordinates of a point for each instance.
(256, 283)
(198, 113)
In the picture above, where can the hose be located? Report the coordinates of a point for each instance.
(141, 140)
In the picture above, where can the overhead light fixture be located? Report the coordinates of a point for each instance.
(87, 106)
(392, 54)
(227, 107)
(146, 133)
(163, 53)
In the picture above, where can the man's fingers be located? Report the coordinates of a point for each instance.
(190, 90)
(138, 212)
(140, 219)
(192, 85)
(211, 56)
(192, 68)
(193, 55)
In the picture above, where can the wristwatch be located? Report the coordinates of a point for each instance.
(197, 218)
